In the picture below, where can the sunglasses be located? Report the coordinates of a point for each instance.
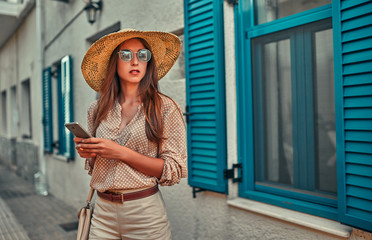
(143, 55)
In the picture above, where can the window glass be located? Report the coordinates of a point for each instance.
(270, 10)
(4, 124)
(324, 112)
(294, 110)
(14, 124)
(26, 110)
(277, 102)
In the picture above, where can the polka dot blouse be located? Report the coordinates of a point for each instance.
(115, 174)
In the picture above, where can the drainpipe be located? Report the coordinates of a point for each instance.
(40, 177)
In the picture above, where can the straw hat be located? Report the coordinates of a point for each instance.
(165, 48)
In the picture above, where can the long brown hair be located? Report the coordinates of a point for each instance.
(148, 91)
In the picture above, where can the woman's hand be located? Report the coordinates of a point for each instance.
(101, 147)
(81, 151)
(112, 150)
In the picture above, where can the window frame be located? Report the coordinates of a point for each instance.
(248, 189)
(59, 94)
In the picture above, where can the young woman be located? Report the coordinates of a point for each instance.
(140, 138)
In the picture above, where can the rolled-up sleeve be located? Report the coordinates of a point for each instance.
(173, 148)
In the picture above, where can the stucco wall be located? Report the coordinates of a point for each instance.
(17, 58)
(209, 217)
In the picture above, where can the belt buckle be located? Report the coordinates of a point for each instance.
(122, 198)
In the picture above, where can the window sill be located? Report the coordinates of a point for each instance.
(306, 220)
(60, 158)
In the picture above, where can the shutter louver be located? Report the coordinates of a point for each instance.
(355, 177)
(47, 110)
(205, 89)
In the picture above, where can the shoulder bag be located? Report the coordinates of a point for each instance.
(85, 216)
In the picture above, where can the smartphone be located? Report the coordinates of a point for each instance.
(77, 130)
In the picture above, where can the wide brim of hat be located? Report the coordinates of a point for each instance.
(165, 48)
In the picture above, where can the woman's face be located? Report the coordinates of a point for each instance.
(134, 70)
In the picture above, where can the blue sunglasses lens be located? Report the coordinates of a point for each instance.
(143, 55)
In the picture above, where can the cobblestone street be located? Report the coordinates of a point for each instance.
(27, 215)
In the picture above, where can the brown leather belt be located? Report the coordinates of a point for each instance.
(122, 197)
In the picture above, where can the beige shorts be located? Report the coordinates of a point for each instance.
(144, 218)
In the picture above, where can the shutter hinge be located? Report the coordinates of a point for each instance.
(196, 190)
(230, 173)
(187, 114)
(233, 2)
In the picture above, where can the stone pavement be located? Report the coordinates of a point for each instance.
(9, 226)
(26, 215)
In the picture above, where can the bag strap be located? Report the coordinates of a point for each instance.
(90, 195)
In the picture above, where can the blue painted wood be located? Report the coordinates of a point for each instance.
(359, 136)
(359, 191)
(360, 101)
(61, 114)
(361, 204)
(204, 145)
(358, 22)
(351, 3)
(356, 113)
(200, 18)
(358, 33)
(359, 147)
(358, 169)
(67, 146)
(206, 159)
(359, 10)
(357, 68)
(201, 88)
(296, 195)
(359, 158)
(295, 20)
(205, 94)
(362, 215)
(365, 78)
(202, 81)
(321, 210)
(47, 110)
(358, 45)
(203, 124)
(358, 91)
(198, 4)
(355, 57)
(201, 53)
(360, 181)
(250, 149)
(199, 11)
(364, 125)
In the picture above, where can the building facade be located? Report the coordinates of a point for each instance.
(298, 124)
(276, 100)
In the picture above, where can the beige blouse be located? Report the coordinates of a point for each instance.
(115, 174)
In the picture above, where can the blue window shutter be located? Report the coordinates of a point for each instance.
(205, 90)
(47, 110)
(65, 107)
(353, 64)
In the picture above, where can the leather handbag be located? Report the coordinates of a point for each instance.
(85, 216)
